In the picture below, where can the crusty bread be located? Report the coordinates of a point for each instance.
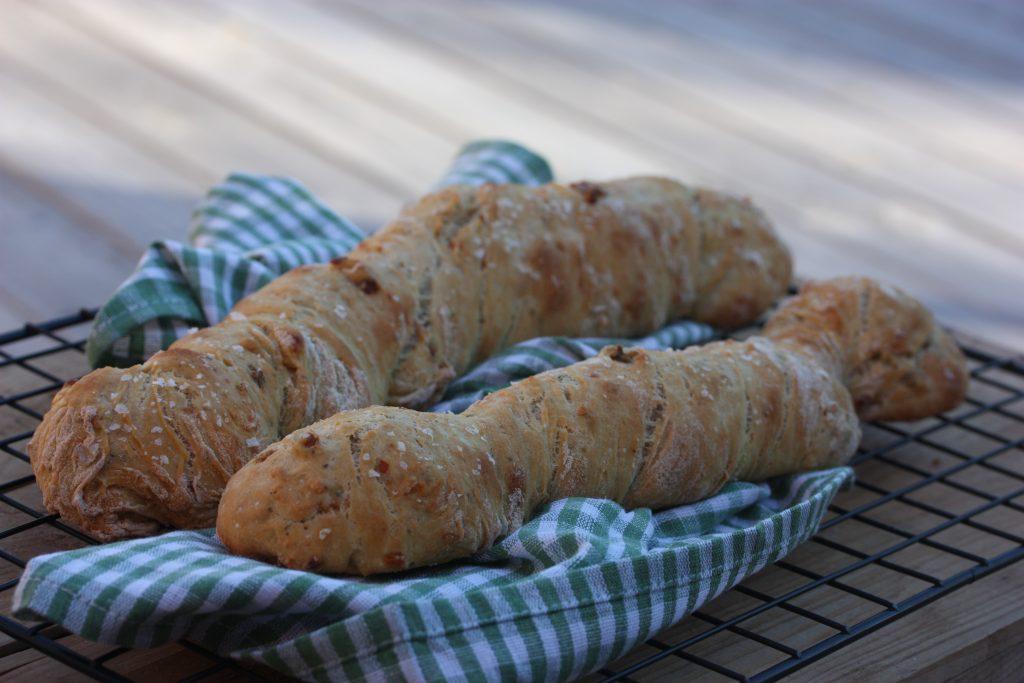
(385, 489)
(457, 276)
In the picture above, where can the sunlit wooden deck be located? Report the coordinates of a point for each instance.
(883, 138)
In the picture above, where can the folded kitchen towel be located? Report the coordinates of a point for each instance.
(576, 587)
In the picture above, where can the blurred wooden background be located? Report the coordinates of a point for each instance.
(882, 138)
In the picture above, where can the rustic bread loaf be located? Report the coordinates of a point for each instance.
(459, 275)
(385, 489)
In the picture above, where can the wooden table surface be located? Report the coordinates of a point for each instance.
(883, 138)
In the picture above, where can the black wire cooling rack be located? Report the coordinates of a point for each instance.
(935, 506)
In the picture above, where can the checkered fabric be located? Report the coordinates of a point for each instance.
(578, 586)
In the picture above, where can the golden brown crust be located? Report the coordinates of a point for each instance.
(457, 276)
(386, 489)
(896, 361)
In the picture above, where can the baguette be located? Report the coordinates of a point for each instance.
(459, 275)
(386, 489)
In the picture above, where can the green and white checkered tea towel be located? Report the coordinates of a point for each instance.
(247, 231)
(576, 587)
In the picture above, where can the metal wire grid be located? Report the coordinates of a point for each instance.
(956, 448)
(36, 361)
(38, 358)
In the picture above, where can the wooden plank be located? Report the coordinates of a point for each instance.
(105, 186)
(934, 122)
(312, 110)
(395, 140)
(997, 52)
(727, 92)
(974, 634)
(241, 85)
(886, 47)
(85, 266)
(926, 104)
(426, 89)
(167, 663)
(1002, 15)
(13, 312)
(863, 57)
(168, 120)
(59, 254)
(826, 210)
(510, 46)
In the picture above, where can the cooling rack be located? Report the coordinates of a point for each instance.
(937, 504)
